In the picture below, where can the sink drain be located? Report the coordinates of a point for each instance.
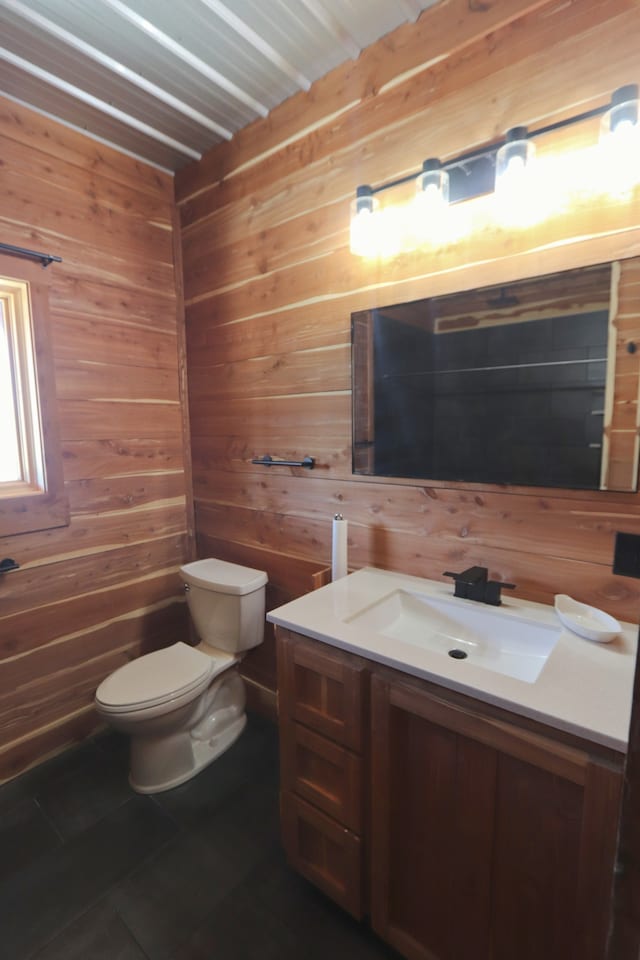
(458, 654)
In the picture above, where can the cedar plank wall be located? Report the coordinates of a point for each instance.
(270, 286)
(100, 591)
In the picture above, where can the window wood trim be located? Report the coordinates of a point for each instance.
(38, 510)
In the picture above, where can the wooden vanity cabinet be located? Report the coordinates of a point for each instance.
(322, 696)
(478, 835)
(489, 840)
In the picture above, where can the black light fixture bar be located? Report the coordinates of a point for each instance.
(491, 151)
(44, 258)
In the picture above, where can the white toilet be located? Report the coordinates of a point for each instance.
(183, 706)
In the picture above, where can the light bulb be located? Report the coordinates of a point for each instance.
(431, 203)
(514, 194)
(620, 142)
(364, 232)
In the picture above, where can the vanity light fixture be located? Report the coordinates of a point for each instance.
(513, 160)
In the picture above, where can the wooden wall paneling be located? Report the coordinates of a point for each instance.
(276, 415)
(107, 494)
(119, 340)
(22, 754)
(270, 287)
(90, 380)
(98, 419)
(310, 234)
(121, 457)
(362, 285)
(45, 583)
(46, 625)
(234, 453)
(138, 632)
(209, 335)
(536, 575)
(183, 385)
(93, 594)
(84, 262)
(61, 143)
(94, 222)
(133, 199)
(90, 298)
(91, 535)
(320, 369)
(50, 700)
(463, 518)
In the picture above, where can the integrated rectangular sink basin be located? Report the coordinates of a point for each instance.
(468, 632)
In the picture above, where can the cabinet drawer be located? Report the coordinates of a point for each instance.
(322, 688)
(327, 854)
(322, 772)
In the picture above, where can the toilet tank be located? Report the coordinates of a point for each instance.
(226, 603)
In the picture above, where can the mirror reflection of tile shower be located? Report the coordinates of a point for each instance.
(509, 384)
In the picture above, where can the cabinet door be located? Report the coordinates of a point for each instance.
(432, 799)
(553, 862)
(322, 688)
(488, 840)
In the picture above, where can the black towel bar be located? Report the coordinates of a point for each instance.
(268, 461)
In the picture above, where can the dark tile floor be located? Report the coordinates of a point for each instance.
(89, 870)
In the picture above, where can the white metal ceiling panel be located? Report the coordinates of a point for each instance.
(383, 17)
(168, 79)
(198, 28)
(100, 83)
(97, 25)
(33, 92)
(303, 39)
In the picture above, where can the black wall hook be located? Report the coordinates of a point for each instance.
(7, 565)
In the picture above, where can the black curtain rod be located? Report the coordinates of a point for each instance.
(44, 258)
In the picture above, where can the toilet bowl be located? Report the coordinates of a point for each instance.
(182, 705)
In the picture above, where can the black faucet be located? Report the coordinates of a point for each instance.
(472, 584)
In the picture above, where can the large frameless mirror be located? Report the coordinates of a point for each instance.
(531, 383)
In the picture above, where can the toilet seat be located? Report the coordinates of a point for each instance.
(176, 673)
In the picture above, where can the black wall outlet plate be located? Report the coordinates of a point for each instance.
(626, 555)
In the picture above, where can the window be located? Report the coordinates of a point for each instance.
(31, 482)
(21, 450)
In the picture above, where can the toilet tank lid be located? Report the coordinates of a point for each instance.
(224, 577)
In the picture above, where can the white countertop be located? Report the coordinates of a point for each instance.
(584, 688)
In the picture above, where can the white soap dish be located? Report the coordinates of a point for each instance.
(586, 621)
